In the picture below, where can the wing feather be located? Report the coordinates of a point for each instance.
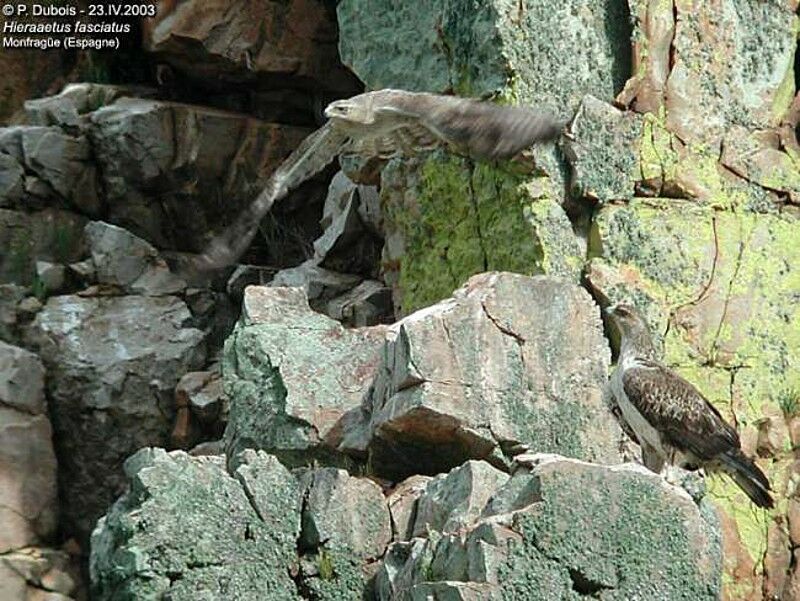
(678, 411)
(483, 129)
(312, 156)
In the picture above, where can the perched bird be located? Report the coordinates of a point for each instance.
(672, 421)
(383, 124)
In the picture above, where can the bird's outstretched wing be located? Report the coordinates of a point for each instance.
(481, 129)
(312, 156)
(678, 411)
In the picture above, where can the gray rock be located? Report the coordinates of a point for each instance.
(49, 235)
(319, 284)
(291, 374)
(12, 181)
(36, 574)
(403, 502)
(345, 528)
(348, 243)
(455, 500)
(65, 163)
(28, 496)
(187, 529)
(509, 361)
(69, 108)
(10, 296)
(28, 307)
(174, 172)
(51, 276)
(112, 366)
(367, 304)
(84, 271)
(125, 260)
(345, 512)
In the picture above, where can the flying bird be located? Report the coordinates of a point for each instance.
(672, 421)
(383, 124)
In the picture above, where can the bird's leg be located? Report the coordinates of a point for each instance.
(652, 459)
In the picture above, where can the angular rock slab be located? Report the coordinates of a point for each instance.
(509, 360)
(112, 366)
(627, 535)
(455, 500)
(127, 261)
(345, 527)
(28, 494)
(188, 529)
(603, 151)
(291, 374)
(489, 47)
(345, 511)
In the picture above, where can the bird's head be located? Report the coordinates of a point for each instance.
(626, 318)
(350, 110)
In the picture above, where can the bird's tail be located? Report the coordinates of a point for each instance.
(748, 476)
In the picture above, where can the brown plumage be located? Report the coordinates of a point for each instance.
(671, 418)
(383, 124)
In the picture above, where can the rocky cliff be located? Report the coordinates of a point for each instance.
(400, 393)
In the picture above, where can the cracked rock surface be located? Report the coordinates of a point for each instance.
(112, 366)
(492, 369)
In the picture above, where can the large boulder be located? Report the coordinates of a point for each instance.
(28, 496)
(627, 535)
(112, 363)
(508, 362)
(187, 529)
(291, 375)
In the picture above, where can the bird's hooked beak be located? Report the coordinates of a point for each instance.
(337, 109)
(610, 309)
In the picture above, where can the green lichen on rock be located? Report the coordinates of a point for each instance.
(603, 151)
(188, 530)
(456, 218)
(339, 576)
(725, 283)
(627, 536)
